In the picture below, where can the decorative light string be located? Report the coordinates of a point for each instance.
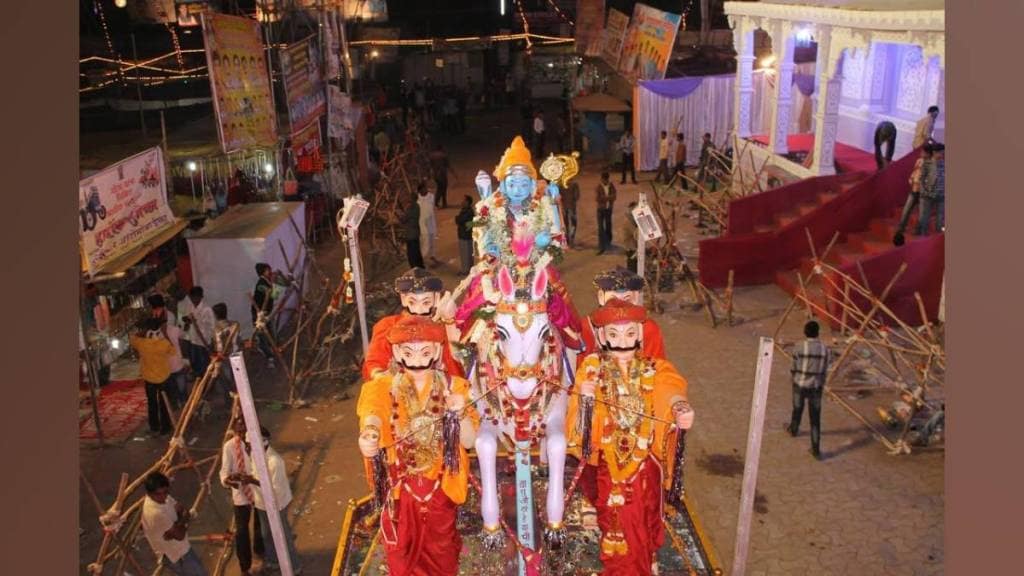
(106, 33)
(526, 26)
(562, 15)
(177, 46)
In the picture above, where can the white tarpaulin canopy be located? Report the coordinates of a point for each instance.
(225, 253)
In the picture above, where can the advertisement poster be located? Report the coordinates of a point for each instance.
(589, 25)
(238, 79)
(121, 207)
(158, 11)
(306, 149)
(614, 32)
(649, 43)
(303, 86)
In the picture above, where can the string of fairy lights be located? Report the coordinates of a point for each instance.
(177, 47)
(561, 14)
(526, 25)
(198, 72)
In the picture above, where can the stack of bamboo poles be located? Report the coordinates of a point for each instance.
(665, 257)
(399, 174)
(863, 318)
(122, 525)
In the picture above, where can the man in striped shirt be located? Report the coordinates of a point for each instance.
(811, 359)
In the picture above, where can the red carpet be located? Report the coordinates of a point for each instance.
(122, 410)
(848, 158)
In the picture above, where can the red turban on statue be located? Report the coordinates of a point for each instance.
(617, 311)
(416, 329)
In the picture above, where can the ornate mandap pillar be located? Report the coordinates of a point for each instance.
(782, 95)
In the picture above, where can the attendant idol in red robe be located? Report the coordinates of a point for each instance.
(420, 291)
(403, 412)
(637, 401)
(625, 285)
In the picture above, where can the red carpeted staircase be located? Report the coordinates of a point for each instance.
(767, 238)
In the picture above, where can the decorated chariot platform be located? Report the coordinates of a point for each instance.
(686, 552)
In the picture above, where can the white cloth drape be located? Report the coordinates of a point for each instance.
(709, 108)
(706, 109)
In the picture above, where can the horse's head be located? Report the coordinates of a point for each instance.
(522, 326)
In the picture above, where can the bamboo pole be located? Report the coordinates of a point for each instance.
(728, 298)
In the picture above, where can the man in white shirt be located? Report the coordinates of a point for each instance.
(234, 466)
(165, 524)
(224, 345)
(664, 151)
(197, 321)
(282, 493)
(925, 127)
(179, 389)
(538, 136)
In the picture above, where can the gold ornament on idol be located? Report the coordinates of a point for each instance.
(560, 169)
(629, 399)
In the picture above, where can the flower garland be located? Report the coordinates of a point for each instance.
(497, 220)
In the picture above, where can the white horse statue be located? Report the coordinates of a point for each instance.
(518, 378)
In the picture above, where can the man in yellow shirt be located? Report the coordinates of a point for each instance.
(155, 352)
(403, 412)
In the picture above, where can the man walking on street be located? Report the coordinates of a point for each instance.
(538, 136)
(680, 165)
(440, 166)
(811, 358)
(664, 149)
(626, 144)
(155, 352)
(570, 196)
(234, 467)
(165, 524)
(262, 308)
(411, 233)
(605, 202)
(463, 223)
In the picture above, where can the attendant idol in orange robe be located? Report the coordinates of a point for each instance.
(628, 463)
(401, 412)
(420, 291)
(623, 284)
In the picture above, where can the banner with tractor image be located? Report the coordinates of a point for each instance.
(121, 207)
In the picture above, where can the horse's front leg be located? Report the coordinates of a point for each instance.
(554, 533)
(487, 456)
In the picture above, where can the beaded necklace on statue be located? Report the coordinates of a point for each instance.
(628, 396)
(629, 399)
(420, 451)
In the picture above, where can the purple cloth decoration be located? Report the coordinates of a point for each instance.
(673, 87)
(804, 83)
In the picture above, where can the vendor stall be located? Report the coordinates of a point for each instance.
(225, 253)
(602, 121)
